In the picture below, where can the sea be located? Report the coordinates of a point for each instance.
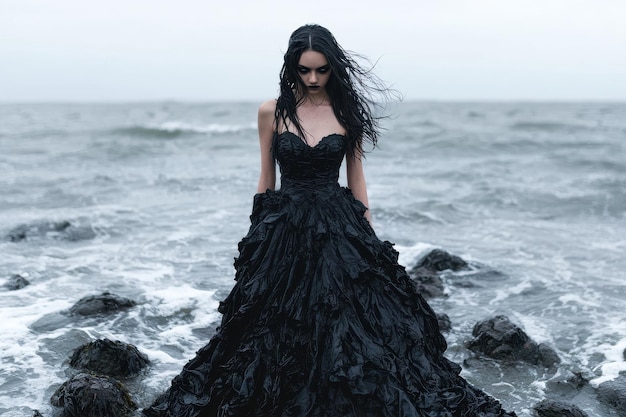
(157, 195)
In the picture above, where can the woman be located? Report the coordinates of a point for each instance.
(322, 321)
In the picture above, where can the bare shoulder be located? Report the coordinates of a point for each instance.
(267, 108)
(266, 120)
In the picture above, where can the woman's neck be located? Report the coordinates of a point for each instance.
(316, 100)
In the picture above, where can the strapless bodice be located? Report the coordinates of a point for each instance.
(305, 167)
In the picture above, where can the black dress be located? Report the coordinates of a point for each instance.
(322, 321)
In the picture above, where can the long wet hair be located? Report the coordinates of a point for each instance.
(351, 88)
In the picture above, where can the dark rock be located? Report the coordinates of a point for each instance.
(23, 231)
(427, 283)
(425, 274)
(63, 230)
(613, 393)
(112, 358)
(100, 304)
(552, 408)
(439, 260)
(88, 395)
(500, 339)
(444, 322)
(546, 356)
(16, 282)
(93, 305)
(36, 413)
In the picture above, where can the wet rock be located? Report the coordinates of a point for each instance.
(101, 304)
(544, 355)
(16, 282)
(36, 413)
(427, 283)
(111, 358)
(63, 230)
(552, 408)
(425, 274)
(501, 339)
(444, 322)
(88, 395)
(91, 306)
(613, 393)
(439, 260)
(24, 231)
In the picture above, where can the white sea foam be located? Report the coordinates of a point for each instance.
(409, 255)
(167, 301)
(181, 126)
(575, 299)
(27, 376)
(613, 351)
(502, 294)
(536, 327)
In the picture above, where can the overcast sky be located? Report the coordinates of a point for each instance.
(207, 50)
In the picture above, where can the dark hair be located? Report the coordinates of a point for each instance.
(351, 88)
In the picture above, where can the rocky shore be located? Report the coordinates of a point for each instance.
(101, 369)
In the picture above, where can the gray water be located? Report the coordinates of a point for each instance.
(159, 194)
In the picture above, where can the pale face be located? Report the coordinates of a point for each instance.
(314, 72)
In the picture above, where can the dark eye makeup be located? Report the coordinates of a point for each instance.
(321, 70)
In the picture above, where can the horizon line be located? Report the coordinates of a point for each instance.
(248, 101)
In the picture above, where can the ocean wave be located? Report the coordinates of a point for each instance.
(176, 128)
(547, 126)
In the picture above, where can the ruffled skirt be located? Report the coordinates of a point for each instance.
(321, 322)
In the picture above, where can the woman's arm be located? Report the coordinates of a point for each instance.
(267, 178)
(356, 182)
